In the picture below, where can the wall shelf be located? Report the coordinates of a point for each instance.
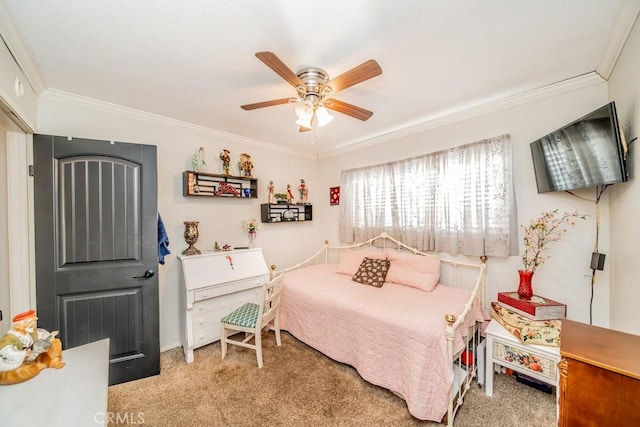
(284, 212)
(217, 185)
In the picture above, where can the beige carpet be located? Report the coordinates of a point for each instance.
(298, 386)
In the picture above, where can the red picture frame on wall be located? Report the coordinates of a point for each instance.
(334, 196)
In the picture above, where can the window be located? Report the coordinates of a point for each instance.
(458, 201)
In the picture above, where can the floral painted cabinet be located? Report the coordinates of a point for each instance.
(504, 349)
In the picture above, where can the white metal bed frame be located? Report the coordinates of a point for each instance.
(463, 373)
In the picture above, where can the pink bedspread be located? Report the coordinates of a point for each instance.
(394, 335)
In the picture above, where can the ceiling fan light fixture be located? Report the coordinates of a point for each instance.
(323, 116)
(304, 110)
(304, 122)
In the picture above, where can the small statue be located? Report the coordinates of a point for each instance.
(289, 194)
(225, 156)
(304, 192)
(270, 192)
(241, 161)
(199, 164)
(216, 247)
(26, 350)
(246, 165)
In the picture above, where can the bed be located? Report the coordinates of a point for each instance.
(412, 335)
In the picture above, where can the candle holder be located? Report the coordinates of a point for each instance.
(191, 237)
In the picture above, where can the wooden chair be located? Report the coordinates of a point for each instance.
(252, 318)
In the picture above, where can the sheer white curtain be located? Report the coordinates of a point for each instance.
(458, 201)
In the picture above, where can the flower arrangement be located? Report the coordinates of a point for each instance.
(250, 225)
(543, 230)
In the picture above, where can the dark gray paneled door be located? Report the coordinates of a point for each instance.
(96, 248)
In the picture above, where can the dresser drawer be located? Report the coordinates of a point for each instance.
(206, 320)
(212, 310)
(206, 335)
(204, 306)
(526, 360)
(228, 288)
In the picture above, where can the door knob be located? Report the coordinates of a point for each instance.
(147, 275)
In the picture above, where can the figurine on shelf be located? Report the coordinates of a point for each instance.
(199, 164)
(245, 165)
(270, 192)
(225, 156)
(226, 247)
(241, 161)
(304, 192)
(289, 194)
(26, 350)
(216, 247)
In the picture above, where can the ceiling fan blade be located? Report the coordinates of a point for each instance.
(279, 67)
(265, 104)
(304, 129)
(356, 75)
(348, 109)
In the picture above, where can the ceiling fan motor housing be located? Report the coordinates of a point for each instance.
(315, 80)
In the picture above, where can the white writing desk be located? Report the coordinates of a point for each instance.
(75, 395)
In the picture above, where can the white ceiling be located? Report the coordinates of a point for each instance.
(194, 61)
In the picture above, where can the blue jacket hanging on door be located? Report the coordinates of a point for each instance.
(163, 241)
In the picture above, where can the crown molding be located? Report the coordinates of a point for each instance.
(107, 107)
(627, 16)
(21, 52)
(441, 119)
(470, 111)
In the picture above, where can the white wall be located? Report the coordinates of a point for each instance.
(563, 277)
(4, 237)
(624, 89)
(220, 218)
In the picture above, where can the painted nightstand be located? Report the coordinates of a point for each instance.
(536, 361)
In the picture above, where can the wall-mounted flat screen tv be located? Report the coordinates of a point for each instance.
(586, 153)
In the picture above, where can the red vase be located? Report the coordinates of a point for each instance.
(525, 291)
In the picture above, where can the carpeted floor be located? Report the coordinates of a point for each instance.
(298, 386)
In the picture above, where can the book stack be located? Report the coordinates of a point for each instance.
(537, 308)
(534, 321)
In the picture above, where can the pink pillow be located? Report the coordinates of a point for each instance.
(418, 271)
(351, 260)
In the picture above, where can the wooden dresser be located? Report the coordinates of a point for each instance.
(599, 376)
(213, 285)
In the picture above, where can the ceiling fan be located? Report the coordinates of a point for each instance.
(313, 88)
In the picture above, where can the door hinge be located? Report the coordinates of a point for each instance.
(30, 170)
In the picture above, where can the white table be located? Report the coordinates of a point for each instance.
(75, 395)
(506, 350)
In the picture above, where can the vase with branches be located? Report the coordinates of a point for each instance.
(541, 231)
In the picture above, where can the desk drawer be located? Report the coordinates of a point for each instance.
(524, 359)
(229, 288)
(207, 314)
(212, 310)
